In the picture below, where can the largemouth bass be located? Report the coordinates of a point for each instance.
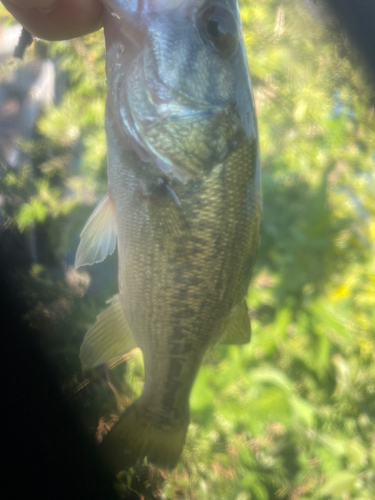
(183, 205)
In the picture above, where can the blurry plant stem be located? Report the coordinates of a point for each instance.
(119, 400)
(80, 48)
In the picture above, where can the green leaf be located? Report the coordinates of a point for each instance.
(31, 213)
(339, 483)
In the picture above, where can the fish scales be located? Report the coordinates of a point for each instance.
(183, 205)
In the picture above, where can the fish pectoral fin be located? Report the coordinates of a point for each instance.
(168, 219)
(109, 337)
(238, 329)
(98, 237)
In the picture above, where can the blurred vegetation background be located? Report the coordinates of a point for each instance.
(290, 415)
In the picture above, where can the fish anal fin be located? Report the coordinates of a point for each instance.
(98, 237)
(109, 337)
(238, 329)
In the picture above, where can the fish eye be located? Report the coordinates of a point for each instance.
(220, 29)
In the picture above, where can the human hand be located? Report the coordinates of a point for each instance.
(57, 19)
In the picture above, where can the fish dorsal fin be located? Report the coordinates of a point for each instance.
(98, 237)
(238, 329)
(110, 336)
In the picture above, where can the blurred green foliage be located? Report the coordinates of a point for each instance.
(291, 415)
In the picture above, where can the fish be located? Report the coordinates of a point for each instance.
(183, 208)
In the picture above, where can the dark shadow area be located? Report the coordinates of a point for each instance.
(44, 447)
(356, 18)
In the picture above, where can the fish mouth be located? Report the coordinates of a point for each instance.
(167, 103)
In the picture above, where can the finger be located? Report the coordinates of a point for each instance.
(33, 4)
(58, 20)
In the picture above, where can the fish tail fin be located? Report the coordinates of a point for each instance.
(134, 437)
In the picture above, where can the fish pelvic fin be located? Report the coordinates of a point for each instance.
(98, 237)
(109, 337)
(238, 329)
(134, 438)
